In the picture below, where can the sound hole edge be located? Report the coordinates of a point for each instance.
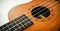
(40, 10)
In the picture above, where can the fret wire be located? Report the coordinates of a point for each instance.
(5, 25)
(26, 23)
(11, 23)
(12, 29)
(6, 28)
(8, 25)
(16, 21)
(22, 26)
(23, 18)
(16, 24)
(13, 26)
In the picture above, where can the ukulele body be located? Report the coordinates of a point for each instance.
(51, 23)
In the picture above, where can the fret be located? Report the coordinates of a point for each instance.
(12, 29)
(6, 28)
(3, 27)
(16, 27)
(14, 24)
(18, 30)
(23, 26)
(19, 23)
(9, 23)
(10, 26)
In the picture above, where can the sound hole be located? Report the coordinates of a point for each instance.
(40, 10)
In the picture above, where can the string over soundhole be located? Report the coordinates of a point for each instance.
(40, 12)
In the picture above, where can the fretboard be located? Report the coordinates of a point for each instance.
(17, 24)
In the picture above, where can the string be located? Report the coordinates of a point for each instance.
(30, 17)
(47, 11)
(16, 29)
(43, 3)
(29, 11)
(39, 11)
(54, 7)
(51, 8)
(23, 11)
(40, 8)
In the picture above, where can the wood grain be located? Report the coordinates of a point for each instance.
(52, 23)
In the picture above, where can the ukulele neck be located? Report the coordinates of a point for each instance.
(19, 23)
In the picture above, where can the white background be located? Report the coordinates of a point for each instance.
(5, 6)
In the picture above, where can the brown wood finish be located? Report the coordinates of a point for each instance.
(50, 23)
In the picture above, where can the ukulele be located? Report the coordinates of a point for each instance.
(37, 15)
